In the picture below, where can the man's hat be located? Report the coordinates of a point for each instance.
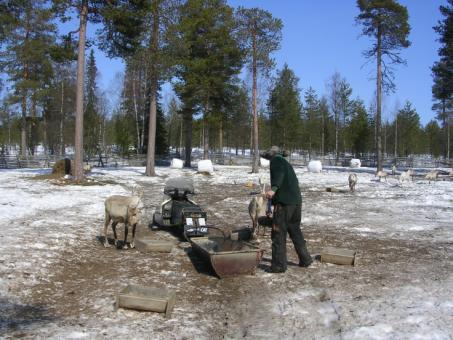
(273, 151)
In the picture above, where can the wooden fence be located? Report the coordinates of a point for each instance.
(43, 161)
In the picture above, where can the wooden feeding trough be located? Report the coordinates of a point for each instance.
(148, 245)
(146, 298)
(228, 257)
(338, 256)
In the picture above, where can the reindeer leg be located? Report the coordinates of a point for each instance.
(114, 232)
(126, 231)
(106, 224)
(254, 225)
(133, 235)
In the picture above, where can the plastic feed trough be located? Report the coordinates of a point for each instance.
(146, 299)
(338, 256)
(148, 244)
(228, 257)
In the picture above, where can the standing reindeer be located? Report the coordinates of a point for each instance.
(122, 209)
(432, 176)
(257, 209)
(352, 179)
(382, 174)
(406, 176)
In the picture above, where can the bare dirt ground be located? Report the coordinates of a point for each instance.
(400, 287)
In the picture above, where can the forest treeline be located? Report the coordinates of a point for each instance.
(202, 49)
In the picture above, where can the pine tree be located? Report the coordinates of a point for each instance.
(26, 37)
(409, 131)
(339, 93)
(443, 75)
(123, 132)
(92, 119)
(87, 10)
(285, 110)
(386, 22)
(143, 26)
(433, 135)
(60, 96)
(313, 121)
(260, 34)
(358, 130)
(209, 61)
(239, 127)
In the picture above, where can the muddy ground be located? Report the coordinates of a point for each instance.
(401, 286)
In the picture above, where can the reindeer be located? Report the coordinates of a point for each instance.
(122, 209)
(258, 208)
(406, 176)
(382, 174)
(432, 176)
(352, 179)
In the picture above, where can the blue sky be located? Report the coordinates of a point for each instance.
(321, 37)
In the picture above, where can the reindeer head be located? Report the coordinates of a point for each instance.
(137, 191)
(262, 186)
(132, 210)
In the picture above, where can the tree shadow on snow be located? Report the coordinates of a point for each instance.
(16, 317)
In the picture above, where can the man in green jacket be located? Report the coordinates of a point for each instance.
(287, 201)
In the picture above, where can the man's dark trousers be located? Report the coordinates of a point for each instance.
(287, 219)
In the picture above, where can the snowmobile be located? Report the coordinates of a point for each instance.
(180, 212)
(227, 257)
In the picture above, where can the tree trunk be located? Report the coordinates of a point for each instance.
(23, 126)
(101, 134)
(221, 137)
(62, 148)
(9, 130)
(336, 136)
(448, 138)
(150, 157)
(396, 137)
(188, 138)
(134, 96)
(180, 137)
(322, 135)
(33, 127)
(447, 128)
(378, 101)
(205, 138)
(78, 155)
(142, 96)
(44, 134)
(255, 166)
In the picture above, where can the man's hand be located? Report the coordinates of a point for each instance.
(270, 194)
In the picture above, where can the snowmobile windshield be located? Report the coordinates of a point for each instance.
(179, 187)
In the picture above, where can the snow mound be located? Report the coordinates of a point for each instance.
(355, 163)
(264, 162)
(314, 166)
(205, 165)
(176, 163)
